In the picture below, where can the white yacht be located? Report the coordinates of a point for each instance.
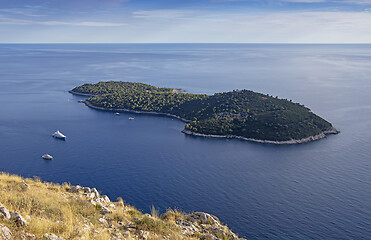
(47, 157)
(117, 114)
(59, 135)
(131, 118)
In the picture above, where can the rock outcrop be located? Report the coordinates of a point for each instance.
(5, 233)
(204, 218)
(18, 219)
(12, 216)
(4, 213)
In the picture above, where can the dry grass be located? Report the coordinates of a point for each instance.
(49, 208)
(173, 215)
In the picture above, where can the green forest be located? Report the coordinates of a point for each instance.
(240, 112)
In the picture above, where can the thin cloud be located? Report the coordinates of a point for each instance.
(88, 24)
(356, 2)
(359, 2)
(304, 1)
(70, 5)
(21, 12)
(168, 13)
(294, 1)
(282, 27)
(9, 21)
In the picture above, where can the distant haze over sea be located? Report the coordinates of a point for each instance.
(319, 190)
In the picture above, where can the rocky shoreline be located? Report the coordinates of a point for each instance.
(187, 132)
(289, 142)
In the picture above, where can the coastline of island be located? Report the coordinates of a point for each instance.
(288, 142)
(87, 103)
(187, 132)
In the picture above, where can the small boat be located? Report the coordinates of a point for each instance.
(47, 157)
(59, 135)
(131, 118)
(117, 114)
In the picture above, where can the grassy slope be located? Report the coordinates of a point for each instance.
(51, 208)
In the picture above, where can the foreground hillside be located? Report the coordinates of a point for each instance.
(241, 113)
(32, 209)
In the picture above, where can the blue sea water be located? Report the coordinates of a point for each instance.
(319, 190)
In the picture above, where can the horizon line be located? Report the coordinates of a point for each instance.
(181, 43)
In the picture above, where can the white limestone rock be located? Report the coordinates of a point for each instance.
(18, 219)
(5, 233)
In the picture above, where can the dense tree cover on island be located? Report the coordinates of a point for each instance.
(117, 87)
(241, 112)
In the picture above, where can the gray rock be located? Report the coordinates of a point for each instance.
(89, 195)
(218, 230)
(103, 221)
(143, 234)
(187, 227)
(75, 189)
(86, 190)
(117, 234)
(204, 218)
(95, 191)
(103, 200)
(5, 233)
(25, 185)
(106, 199)
(184, 223)
(105, 210)
(131, 228)
(126, 234)
(27, 236)
(18, 219)
(111, 206)
(51, 236)
(4, 213)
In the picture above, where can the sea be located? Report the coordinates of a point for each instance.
(317, 190)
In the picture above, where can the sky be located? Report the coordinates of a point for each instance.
(185, 21)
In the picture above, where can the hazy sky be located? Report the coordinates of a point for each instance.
(185, 21)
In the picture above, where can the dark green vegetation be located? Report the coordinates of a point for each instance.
(240, 113)
(118, 87)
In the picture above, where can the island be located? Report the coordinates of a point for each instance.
(241, 114)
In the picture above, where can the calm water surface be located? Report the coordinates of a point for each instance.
(320, 190)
